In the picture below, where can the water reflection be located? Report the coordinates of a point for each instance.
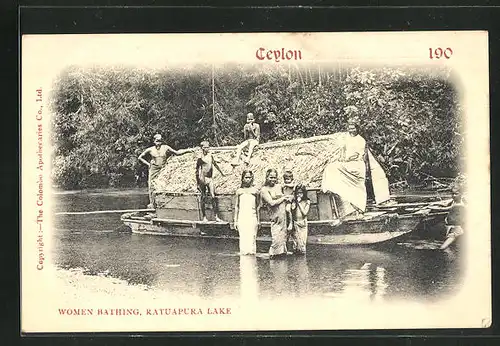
(249, 279)
(279, 273)
(365, 284)
(298, 276)
(211, 268)
(379, 287)
(208, 282)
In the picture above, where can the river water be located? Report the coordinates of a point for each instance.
(99, 244)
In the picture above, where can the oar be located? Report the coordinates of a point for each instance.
(103, 211)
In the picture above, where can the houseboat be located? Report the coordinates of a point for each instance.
(178, 204)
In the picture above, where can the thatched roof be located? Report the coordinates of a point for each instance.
(306, 157)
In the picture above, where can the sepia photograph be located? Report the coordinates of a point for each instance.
(253, 182)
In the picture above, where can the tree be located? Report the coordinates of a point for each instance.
(104, 117)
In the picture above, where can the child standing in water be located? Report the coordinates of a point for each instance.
(246, 214)
(288, 189)
(300, 209)
(455, 219)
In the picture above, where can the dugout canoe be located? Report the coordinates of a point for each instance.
(180, 217)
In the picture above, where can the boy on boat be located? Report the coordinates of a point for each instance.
(251, 133)
(204, 173)
(159, 155)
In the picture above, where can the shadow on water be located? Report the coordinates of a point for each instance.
(410, 269)
(105, 199)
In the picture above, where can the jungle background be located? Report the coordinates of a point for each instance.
(105, 117)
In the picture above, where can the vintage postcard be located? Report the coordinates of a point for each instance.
(255, 182)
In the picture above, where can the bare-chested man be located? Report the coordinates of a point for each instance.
(204, 173)
(159, 155)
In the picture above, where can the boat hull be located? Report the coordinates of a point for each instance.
(349, 232)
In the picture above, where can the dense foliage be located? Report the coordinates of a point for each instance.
(105, 117)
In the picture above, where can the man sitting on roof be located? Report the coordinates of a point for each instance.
(346, 176)
(251, 132)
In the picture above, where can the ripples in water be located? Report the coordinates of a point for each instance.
(213, 268)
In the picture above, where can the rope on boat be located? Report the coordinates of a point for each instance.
(103, 211)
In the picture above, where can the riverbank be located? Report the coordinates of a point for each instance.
(74, 286)
(100, 303)
(75, 283)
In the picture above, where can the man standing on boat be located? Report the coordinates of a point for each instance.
(159, 155)
(204, 173)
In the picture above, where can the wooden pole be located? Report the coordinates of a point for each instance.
(213, 93)
(214, 123)
(332, 197)
(319, 75)
(103, 211)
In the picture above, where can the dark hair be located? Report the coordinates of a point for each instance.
(245, 172)
(302, 188)
(355, 124)
(268, 172)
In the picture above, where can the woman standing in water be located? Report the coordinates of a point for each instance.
(272, 195)
(246, 214)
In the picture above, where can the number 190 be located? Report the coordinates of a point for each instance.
(438, 53)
